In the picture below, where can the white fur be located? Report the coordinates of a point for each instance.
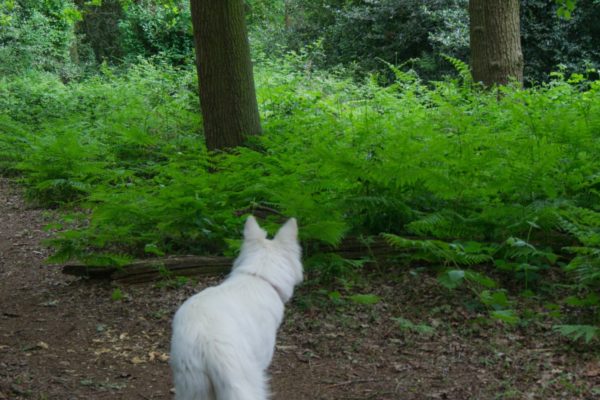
(224, 337)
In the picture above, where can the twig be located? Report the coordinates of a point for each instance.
(352, 382)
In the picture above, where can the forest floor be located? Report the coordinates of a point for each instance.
(63, 337)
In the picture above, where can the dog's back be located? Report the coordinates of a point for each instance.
(224, 337)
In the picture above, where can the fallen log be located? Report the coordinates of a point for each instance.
(154, 268)
(88, 271)
(163, 268)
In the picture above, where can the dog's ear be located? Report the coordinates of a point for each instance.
(252, 230)
(288, 232)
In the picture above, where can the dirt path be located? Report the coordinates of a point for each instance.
(65, 338)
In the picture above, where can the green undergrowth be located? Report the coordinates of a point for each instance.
(464, 181)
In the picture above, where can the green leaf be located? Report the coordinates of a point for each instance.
(504, 265)
(507, 316)
(527, 267)
(330, 232)
(590, 300)
(116, 295)
(576, 332)
(451, 278)
(366, 299)
(565, 8)
(334, 296)
(406, 324)
(480, 279)
(497, 299)
(152, 248)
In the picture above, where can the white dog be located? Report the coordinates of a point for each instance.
(224, 337)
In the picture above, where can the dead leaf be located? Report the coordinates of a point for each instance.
(154, 355)
(37, 346)
(592, 370)
(137, 360)
(101, 351)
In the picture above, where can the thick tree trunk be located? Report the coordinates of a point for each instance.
(495, 33)
(227, 94)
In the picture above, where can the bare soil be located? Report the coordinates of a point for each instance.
(69, 338)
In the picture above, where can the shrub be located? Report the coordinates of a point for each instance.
(397, 31)
(550, 41)
(150, 28)
(38, 35)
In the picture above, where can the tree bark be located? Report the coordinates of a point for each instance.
(496, 55)
(227, 94)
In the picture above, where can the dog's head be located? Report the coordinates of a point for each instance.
(277, 260)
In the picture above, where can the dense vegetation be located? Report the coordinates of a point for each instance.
(358, 34)
(495, 191)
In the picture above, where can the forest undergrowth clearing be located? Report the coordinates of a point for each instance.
(67, 338)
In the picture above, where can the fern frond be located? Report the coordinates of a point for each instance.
(463, 69)
(584, 225)
(437, 250)
(434, 222)
(576, 332)
(445, 224)
(401, 76)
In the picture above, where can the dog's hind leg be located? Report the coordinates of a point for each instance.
(193, 386)
(250, 384)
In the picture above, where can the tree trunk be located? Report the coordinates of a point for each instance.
(286, 15)
(495, 34)
(100, 28)
(227, 94)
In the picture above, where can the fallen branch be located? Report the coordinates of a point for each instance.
(154, 268)
(353, 382)
(161, 268)
(88, 271)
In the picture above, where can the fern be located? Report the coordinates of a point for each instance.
(438, 251)
(480, 180)
(577, 332)
(408, 325)
(584, 225)
(435, 223)
(15, 143)
(463, 69)
(444, 224)
(401, 76)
